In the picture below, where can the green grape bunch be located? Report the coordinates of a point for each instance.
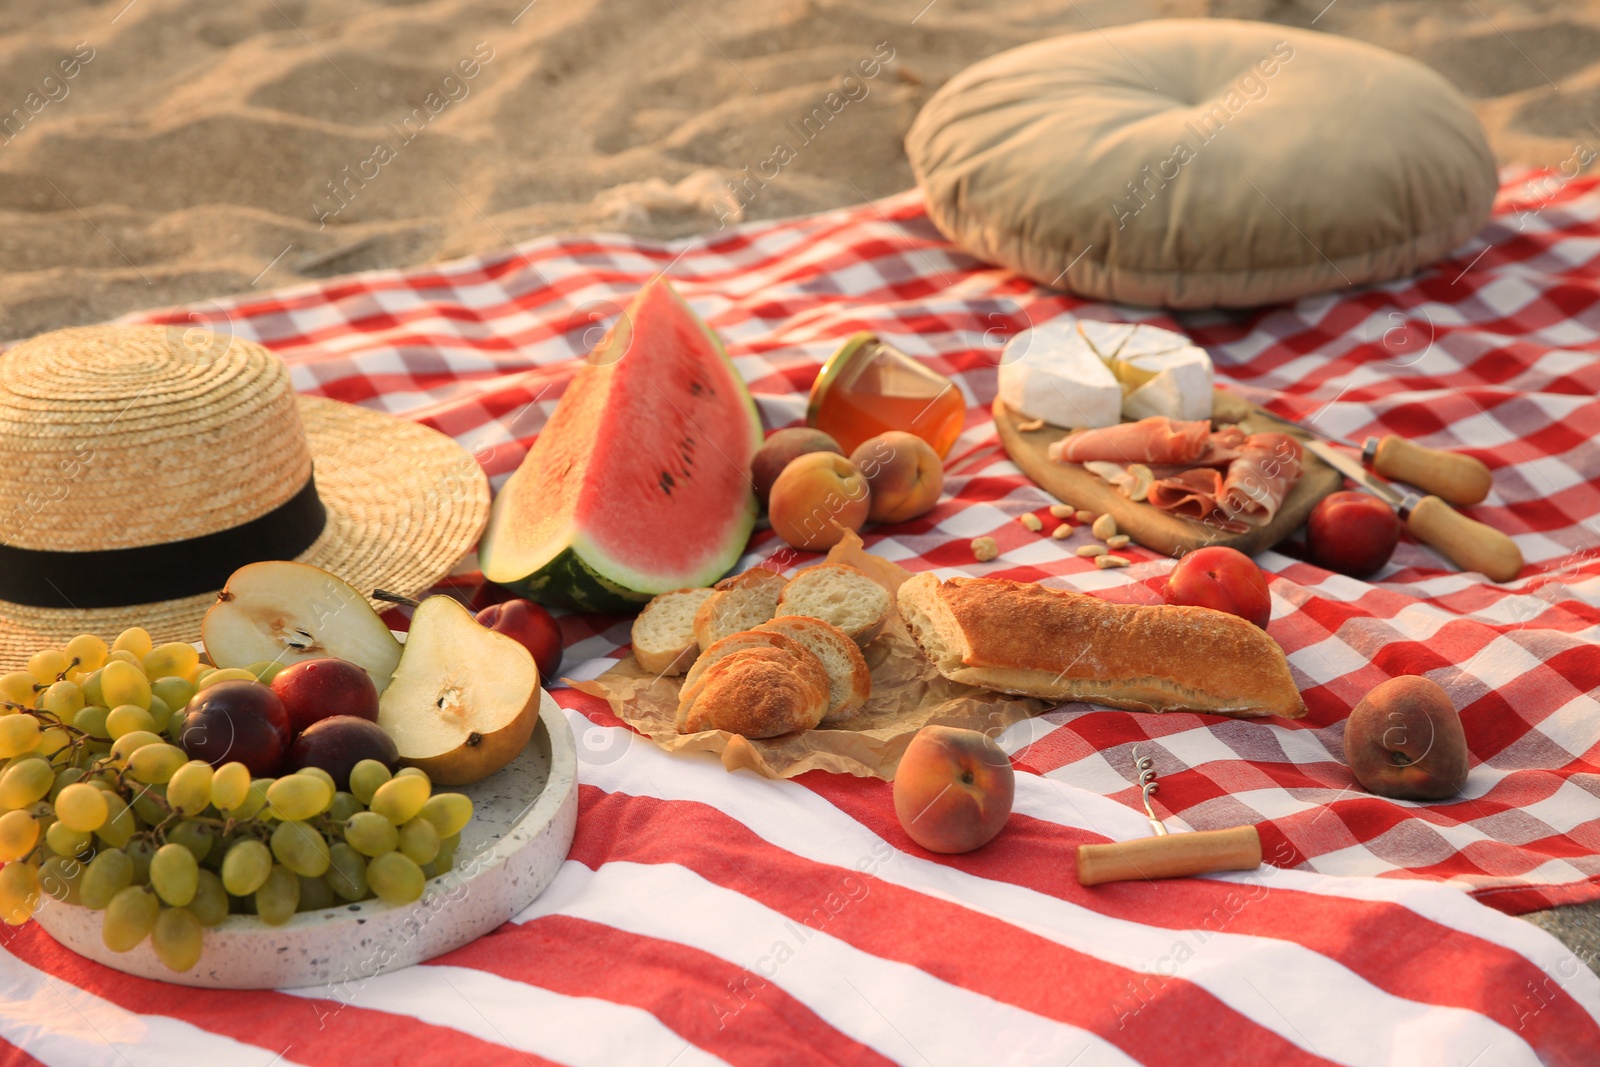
(101, 808)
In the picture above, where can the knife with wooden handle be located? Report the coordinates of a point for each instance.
(1467, 543)
(1170, 856)
(1450, 476)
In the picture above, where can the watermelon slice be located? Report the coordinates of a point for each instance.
(640, 481)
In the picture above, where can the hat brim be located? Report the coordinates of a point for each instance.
(405, 503)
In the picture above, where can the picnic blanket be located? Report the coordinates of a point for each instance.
(709, 917)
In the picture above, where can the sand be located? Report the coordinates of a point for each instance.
(163, 151)
(169, 150)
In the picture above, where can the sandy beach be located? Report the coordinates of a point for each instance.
(159, 151)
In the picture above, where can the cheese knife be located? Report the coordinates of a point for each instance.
(1467, 543)
(1450, 476)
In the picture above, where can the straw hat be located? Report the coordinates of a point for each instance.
(140, 465)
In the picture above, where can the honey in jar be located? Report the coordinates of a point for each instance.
(869, 387)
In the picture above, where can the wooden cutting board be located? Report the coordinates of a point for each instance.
(1152, 528)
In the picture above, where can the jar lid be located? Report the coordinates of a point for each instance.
(832, 369)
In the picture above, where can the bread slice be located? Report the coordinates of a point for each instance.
(758, 692)
(737, 643)
(841, 595)
(663, 634)
(737, 604)
(1016, 637)
(849, 680)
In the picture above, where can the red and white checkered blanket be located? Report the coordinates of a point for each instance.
(713, 917)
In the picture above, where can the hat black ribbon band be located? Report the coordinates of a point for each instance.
(119, 577)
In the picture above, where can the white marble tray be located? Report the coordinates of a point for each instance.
(522, 825)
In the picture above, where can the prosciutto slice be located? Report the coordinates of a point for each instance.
(1259, 480)
(1154, 441)
(1195, 494)
(1261, 470)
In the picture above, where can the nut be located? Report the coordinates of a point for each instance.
(1105, 526)
(1118, 541)
(1030, 427)
(1062, 532)
(1061, 511)
(1085, 516)
(1091, 550)
(1031, 521)
(1105, 562)
(1143, 478)
(984, 549)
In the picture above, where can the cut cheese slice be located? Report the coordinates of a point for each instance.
(1176, 384)
(1160, 371)
(1108, 339)
(1053, 372)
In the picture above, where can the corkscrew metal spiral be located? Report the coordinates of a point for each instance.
(1147, 785)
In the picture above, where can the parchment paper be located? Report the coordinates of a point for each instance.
(907, 694)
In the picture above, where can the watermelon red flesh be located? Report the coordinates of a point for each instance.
(642, 472)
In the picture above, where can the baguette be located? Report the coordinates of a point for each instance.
(849, 680)
(663, 634)
(841, 595)
(1015, 637)
(735, 643)
(757, 692)
(738, 603)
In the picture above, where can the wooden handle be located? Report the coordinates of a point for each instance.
(1170, 856)
(1461, 480)
(1467, 543)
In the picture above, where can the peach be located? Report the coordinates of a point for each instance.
(903, 472)
(781, 448)
(1221, 578)
(816, 499)
(1404, 739)
(953, 789)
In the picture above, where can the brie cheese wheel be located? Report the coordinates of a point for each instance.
(1053, 372)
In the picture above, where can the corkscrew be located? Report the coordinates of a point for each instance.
(1167, 855)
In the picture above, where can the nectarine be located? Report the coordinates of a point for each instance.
(903, 472)
(781, 448)
(817, 498)
(1352, 533)
(953, 789)
(1404, 739)
(1221, 578)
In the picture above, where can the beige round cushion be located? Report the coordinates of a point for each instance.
(1203, 163)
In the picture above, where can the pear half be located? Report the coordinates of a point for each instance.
(285, 612)
(464, 699)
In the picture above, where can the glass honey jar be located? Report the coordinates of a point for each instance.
(868, 387)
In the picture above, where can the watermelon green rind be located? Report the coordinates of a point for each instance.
(568, 582)
(570, 568)
(572, 581)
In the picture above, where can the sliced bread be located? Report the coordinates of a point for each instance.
(758, 691)
(839, 594)
(663, 634)
(849, 680)
(737, 604)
